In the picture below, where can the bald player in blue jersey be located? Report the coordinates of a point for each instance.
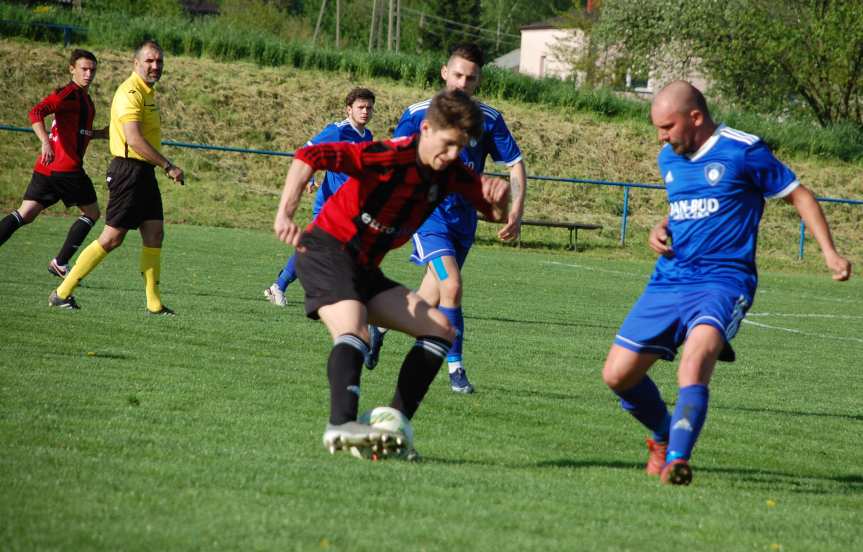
(359, 108)
(717, 180)
(444, 240)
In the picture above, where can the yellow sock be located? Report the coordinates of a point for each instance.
(87, 261)
(150, 267)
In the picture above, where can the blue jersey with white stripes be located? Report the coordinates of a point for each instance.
(716, 199)
(335, 132)
(455, 214)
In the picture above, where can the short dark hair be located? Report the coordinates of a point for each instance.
(455, 109)
(148, 43)
(79, 53)
(359, 94)
(468, 51)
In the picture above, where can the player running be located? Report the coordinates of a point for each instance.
(444, 240)
(393, 187)
(59, 169)
(717, 179)
(359, 107)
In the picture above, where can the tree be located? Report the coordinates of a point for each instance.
(775, 56)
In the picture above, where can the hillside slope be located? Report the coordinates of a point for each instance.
(241, 104)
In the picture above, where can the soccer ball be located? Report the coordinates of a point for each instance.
(392, 420)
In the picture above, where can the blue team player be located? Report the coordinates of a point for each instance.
(359, 107)
(443, 241)
(717, 180)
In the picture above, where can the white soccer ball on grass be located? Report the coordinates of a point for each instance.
(392, 420)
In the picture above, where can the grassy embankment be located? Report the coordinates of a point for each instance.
(242, 104)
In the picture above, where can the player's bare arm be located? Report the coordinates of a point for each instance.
(284, 226)
(496, 192)
(518, 187)
(658, 239)
(44, 138)
(136, 141)
(813, 217)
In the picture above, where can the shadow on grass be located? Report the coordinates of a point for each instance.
(781, 412)
(773, 480)
(542, 322)
(777, 481)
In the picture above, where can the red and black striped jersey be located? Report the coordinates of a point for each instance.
(388, 194)
(72, 128)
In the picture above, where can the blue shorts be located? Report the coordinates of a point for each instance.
(429, 246)
(660, 321)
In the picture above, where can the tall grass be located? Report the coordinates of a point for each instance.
(219, 39)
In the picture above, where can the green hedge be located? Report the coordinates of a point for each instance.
(217, 39)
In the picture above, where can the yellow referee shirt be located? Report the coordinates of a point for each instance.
(135, 101)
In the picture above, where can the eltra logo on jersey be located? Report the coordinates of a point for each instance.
(689, 209)
(374, 224)
(713, 173)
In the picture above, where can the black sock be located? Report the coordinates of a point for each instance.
(418, 371)
(13, 221)
(79, 230)
(343, 370)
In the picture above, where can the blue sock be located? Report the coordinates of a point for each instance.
(687, 421)
(645, 403)
(456, 319)
(288, 274)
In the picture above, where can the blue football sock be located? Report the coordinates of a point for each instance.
(644, 402)
(687, 421)
(456, 320)
(288, 274)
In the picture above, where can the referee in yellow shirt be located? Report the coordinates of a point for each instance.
(134, 200)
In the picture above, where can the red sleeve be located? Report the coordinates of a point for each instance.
(48, 105)
(344, 157)
(464, 181)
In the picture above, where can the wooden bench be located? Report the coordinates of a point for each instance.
(573, 228)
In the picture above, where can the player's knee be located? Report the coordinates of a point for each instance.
(442, 327)
(91, 213)
(611, 376)
(111, 242)
(26, 216)
(614, 374)
(450, 291)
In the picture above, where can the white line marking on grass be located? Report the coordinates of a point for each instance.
(791, 330)
(808, 296)
(805, 315)
(596, 269)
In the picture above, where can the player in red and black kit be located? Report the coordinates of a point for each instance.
(59, 170)
(393, 187)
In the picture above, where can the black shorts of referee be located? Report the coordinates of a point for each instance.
(133, 193)
(74, 188)
(329, 273)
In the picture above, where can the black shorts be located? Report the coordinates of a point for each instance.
(133, 194)
(74, 188)
(329, 273)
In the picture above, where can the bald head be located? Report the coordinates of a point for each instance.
(682, 97)
(680, 115)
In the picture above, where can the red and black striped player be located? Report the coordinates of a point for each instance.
(59, 171)
(394, 186)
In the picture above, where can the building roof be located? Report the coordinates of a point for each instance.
(509, 60)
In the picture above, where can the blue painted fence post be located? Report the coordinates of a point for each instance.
(802, 238)
(623, 217)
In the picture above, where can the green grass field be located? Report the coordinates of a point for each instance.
(120, 431)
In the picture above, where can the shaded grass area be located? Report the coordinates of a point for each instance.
(123, 431)
(241, 104)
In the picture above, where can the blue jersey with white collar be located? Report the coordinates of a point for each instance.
(716, 199)
(335, 132)
(456, 214)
